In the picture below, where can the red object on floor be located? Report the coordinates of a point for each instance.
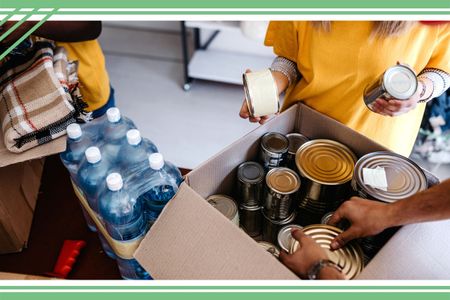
(67, 257)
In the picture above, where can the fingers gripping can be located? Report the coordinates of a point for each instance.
(399, 82)
(261, 93)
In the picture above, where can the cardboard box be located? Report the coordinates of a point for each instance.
(20, 178)
(192, 240)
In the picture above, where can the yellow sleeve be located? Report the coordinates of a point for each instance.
(440, 58)
(282, 36)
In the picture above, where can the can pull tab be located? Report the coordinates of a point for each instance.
(67, 257)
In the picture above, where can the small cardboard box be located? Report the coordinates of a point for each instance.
(192, 240)
(20, 178)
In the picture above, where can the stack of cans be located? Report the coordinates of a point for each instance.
(326, 168)
(348, 258)
(403, 177)
(250, 192)
(274, 149)
(280, 196)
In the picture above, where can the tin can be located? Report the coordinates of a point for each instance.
(326, 169)
(271, 248)
(274, 148)
(404, 177)
(296, 140)
(272, 227)
(261, 93)
(399, 82)
(250, 183)
(343, 224)
(226, 206)
(285, 239)
(280, 196)
(348, 258)
(251, 219)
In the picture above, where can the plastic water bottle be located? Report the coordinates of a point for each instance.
(115, 129)
(91, 180)
(124, 220)
(163, 180)
(134, 154)
(77, 143)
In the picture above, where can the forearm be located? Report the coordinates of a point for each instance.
(284, 72)
(430, 205)
(329, 273)
(69, 31)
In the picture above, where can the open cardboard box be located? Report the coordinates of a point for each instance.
(20, 178)
(192, 240)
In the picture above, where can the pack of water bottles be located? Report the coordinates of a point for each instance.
(123, 181)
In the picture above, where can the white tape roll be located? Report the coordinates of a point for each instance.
(261, 93)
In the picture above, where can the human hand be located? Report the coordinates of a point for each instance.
(309, 253)
(367, 218)
(245, 113)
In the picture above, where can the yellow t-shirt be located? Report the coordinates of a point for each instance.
(94, 80)
(337, 65)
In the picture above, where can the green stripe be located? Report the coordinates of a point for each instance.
(222, 296)
(5, 19)
(27, 34)
(14, 27)
(227, 3)
(257, 288)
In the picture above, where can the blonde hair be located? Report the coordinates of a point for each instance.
(380, 28)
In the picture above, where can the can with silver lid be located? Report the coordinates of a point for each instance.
(296, 140)
(399, 82)
(272, 227)
(250, 183)
(386, 176)
(251, 219)
(261, 93)
(348, 258)
(326, 169)
(225, 205)
(274, 148)
(343, 224)
(280, 196)
(285, 239)
(271, 248)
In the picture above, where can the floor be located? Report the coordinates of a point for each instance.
(144, 60)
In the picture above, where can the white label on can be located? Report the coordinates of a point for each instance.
(375, 178)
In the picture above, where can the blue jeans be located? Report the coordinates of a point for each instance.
(102, 110)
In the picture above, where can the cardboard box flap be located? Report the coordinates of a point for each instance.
(418, 251)
(9, 158)
(192, 240)
(217, 175)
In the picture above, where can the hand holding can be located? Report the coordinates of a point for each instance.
(261, 96)
(395, 92)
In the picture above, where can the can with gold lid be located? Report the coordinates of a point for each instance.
(296, 140)
(272, 227)
(326, 169)
(387, 177)
(251, 219)
(271, 248)
(250, 183)
(274, 148)
(225, 205)
(280, 194)
(348, 258)
(285, 239)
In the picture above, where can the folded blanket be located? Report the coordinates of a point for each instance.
(39, 96)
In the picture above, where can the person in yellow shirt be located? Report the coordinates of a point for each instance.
(337, 60)
(79, 39)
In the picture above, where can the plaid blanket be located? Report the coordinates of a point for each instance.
(39, 96)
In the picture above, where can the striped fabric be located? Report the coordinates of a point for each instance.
(38, 96)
